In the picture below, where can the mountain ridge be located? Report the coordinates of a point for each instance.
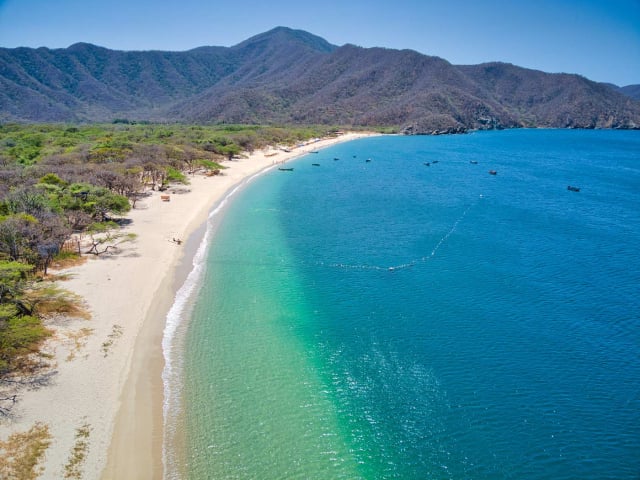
(292, 76)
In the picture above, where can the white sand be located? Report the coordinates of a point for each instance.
(113, 381)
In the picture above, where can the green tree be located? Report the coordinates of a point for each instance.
(97, 202)
(20, 331)
(13, 278)
(230, 150)
(52, 179)
(23, 299)
(173, 175)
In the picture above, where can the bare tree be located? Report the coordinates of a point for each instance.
(105, 240)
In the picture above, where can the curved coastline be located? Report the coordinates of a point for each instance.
(139, 429)
(137, 437)
(108, 370)
(177, 315)
(240, 350)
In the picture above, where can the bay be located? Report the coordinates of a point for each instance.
(398, 312)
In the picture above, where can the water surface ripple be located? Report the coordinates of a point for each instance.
(389, 319)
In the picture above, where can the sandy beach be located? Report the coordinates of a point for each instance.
(108, 368)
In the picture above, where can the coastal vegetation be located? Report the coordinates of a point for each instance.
(73, 468)
(64, 190)
(22, 453)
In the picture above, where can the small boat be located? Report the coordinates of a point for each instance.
(427, 164)
(285, 169)
(368, 160)
(573, 189)
(473, 162)
(314, 151)
(435, 161)
(336, 158)
(492, 172)
(315, 164)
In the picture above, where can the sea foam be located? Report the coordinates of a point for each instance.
(175, 319)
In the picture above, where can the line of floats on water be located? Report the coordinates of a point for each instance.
(571, 188)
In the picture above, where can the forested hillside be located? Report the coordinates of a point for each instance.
(291, 76)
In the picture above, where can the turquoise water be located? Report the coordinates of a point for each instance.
(389, 319)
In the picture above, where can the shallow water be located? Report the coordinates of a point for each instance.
(389, 319)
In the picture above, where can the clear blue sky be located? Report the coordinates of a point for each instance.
(599, 39)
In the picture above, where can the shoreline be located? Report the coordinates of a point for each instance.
(109, 368)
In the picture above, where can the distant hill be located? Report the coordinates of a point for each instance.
(291, 76)
(632, 91)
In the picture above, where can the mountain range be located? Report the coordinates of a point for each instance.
(292, 76)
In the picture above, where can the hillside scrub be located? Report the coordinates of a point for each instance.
(287, 76)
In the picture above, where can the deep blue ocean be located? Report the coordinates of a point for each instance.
(398, 312)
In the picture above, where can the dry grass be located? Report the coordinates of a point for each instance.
(78, 340)
(59, 277)
(73, 468)
(49, 300)
(22, 452)
(67, 261)
(116, 332)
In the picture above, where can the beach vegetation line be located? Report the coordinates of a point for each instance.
(64, 193)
